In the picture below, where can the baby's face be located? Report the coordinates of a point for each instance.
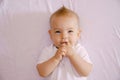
(64, 31)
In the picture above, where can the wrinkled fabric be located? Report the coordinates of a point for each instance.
(24, 26)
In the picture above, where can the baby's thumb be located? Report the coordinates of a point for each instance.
(63, 54)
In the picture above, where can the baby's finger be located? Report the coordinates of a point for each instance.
(63, 49)
(63, 54)
(63, 44)
(68, 44)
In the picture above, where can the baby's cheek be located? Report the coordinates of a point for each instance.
(58, 40)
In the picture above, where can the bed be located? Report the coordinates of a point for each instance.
(24, 26)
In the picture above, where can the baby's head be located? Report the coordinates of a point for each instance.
(64, 28)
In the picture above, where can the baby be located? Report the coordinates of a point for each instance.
(65, 59)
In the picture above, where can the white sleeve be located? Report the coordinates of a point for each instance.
(44, 56)
(84, 54)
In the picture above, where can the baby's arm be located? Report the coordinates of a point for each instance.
(81, 66)
(48, 66)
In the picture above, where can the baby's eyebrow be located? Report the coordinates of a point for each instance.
(56, 29)
(69, 28)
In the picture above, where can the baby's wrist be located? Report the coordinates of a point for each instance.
(58, 57)
(70, 55)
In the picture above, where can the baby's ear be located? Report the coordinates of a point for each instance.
(49, 31)
(79, 32)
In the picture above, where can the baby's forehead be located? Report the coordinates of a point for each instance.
(64, 26)
(64, 21)
(64, 16)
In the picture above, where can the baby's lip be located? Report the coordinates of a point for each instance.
(62, 43)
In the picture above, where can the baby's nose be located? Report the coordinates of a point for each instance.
(64, 36)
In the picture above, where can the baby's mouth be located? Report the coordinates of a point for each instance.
(64, 43)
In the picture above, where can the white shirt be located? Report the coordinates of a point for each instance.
(65, 70)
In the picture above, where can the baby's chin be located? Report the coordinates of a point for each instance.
(65, 44)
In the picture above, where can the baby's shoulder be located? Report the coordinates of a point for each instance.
(79, 46)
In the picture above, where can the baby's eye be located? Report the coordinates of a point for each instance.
(70, 31)
(57, 32)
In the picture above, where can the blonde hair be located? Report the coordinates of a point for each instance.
(63, 11)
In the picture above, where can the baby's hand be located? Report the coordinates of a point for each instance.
(60, 53)
(68, 49)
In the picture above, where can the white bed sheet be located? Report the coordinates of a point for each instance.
(24, 28)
